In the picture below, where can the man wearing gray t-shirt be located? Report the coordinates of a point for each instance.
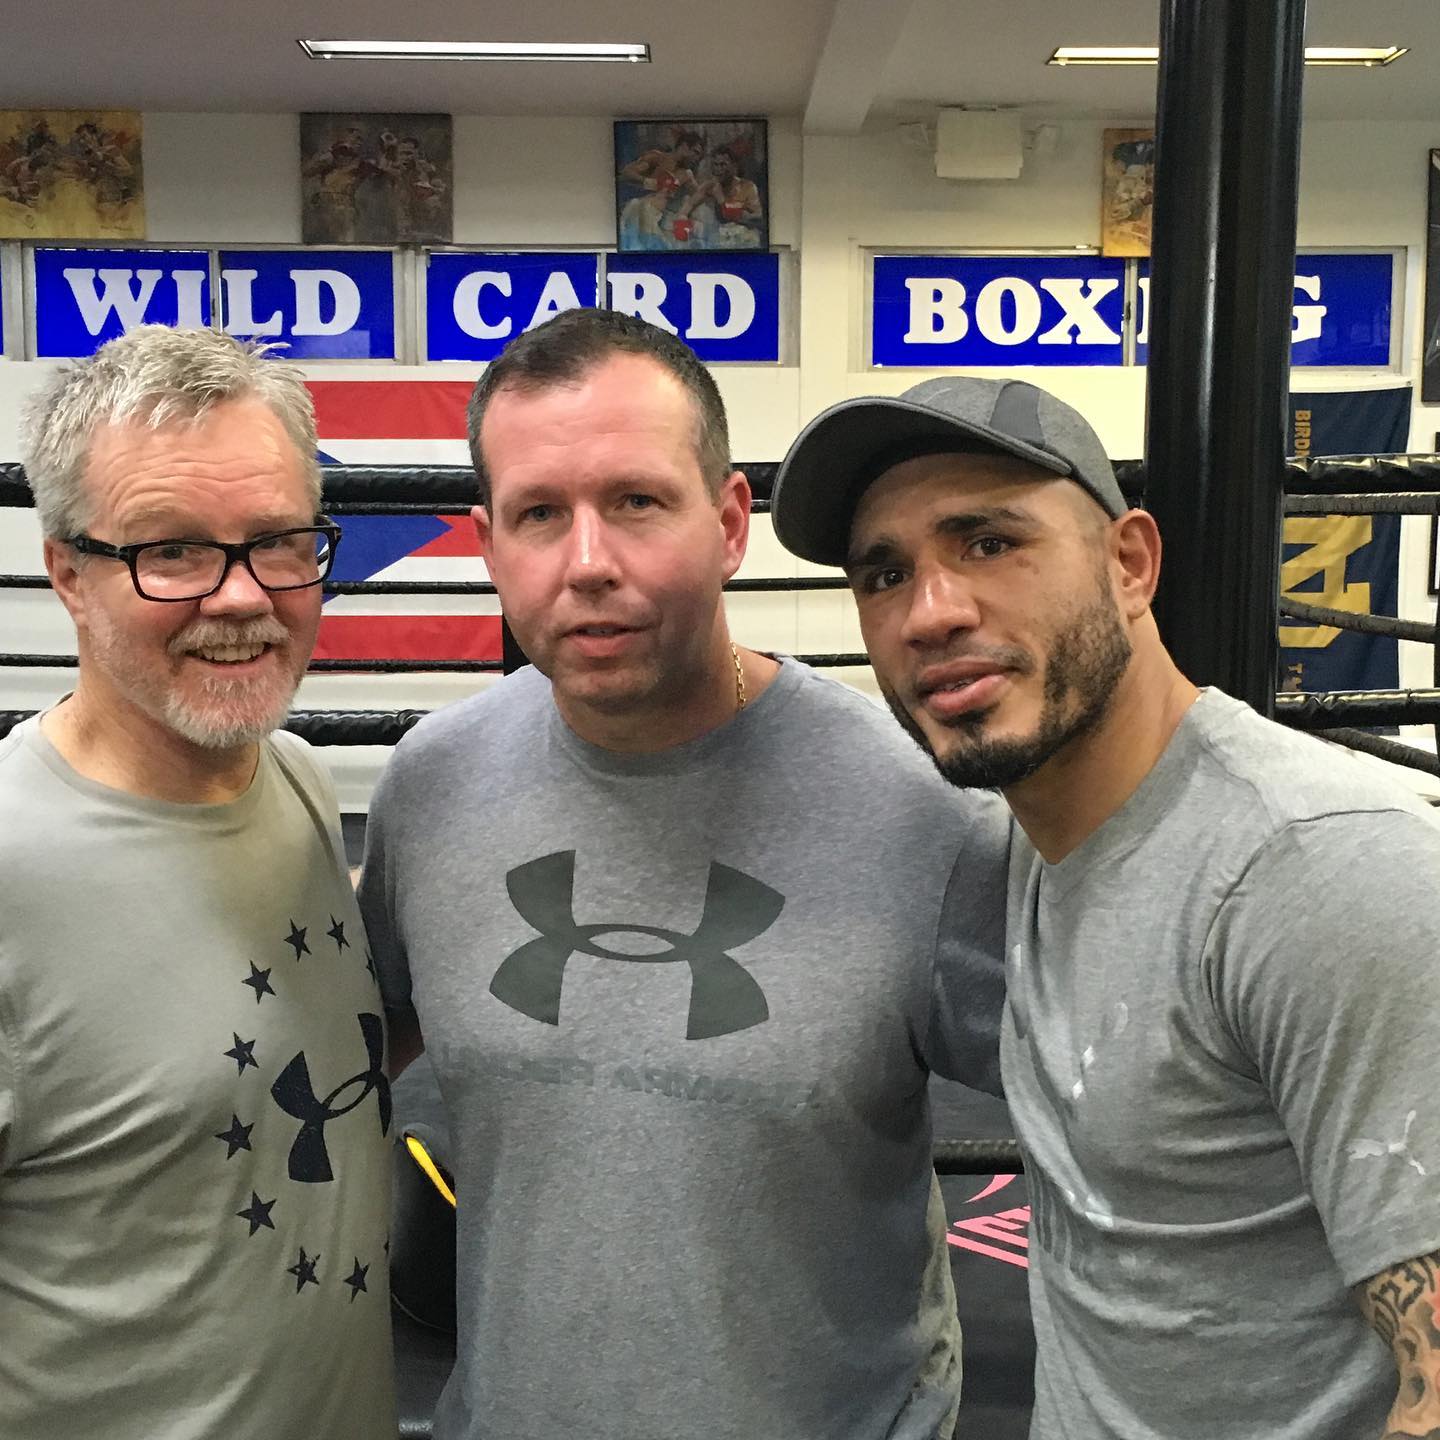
(1222, 983)
(194, 1174)
(682, 998)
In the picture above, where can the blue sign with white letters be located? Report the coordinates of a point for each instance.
(723, 306)
(318, 304)
(476, 303)
(85, 297)
(1341, 315)
(969, 310)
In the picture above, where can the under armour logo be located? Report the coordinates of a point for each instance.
(723, 996)
(295, 1094)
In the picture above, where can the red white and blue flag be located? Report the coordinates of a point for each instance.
(402, 422)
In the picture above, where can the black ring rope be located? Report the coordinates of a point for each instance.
(757, 585)
(407, 667)
(1314, 711)
(1331, 710)
(1336, 475)
(1399, 502)
(1395, 751)
(1386, 625)
(978, 1157)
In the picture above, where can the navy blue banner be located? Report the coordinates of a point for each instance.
(476, 303)
(1341, 315)
(968, 310)
(1344, 562)
(85, 297)
(724, 306)
(321, 304)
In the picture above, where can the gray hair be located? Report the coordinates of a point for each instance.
(155, 375)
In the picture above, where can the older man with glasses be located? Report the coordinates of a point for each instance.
(193, 1104)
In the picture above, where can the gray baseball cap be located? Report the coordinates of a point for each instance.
(841, 452)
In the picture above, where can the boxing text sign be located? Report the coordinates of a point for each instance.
(319, 304)
(725, 307)
(1341, 313)
(997, 310)
(943, 310)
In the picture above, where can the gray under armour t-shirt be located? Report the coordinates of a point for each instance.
(194, 1179)
(682, 1008)
(1222, 1013)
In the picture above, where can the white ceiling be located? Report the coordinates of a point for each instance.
(835, 62)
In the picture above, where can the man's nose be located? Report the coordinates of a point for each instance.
(240, 593)
(591, 560)
(942, 603)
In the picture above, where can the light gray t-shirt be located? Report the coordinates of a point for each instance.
(682, 1008)
(194, 1187)
(1223, 1012)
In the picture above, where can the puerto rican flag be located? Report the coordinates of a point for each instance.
(402, 422)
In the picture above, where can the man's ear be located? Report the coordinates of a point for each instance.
(1135, 549)
(63, 568)
(733, 503)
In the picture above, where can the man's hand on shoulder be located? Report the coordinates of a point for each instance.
(1403, 1305)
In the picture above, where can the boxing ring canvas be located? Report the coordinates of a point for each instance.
(692, 185)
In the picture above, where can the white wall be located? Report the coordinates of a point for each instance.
(535, 182)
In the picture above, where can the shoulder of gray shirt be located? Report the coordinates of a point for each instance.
(1289, 776)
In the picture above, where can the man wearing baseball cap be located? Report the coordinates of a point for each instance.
(1222, 937)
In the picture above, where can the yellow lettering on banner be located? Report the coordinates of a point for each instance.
(1329, 540)
(1302, 434)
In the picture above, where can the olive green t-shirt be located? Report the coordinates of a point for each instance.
(193, 1160)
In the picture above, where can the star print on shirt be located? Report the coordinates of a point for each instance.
(237, 1137)
(243, 1053)
(356, 1279)
(337, 933)
(304, 1270)
(259, 982)
(296, 939)
(258, 1213)
(370, 965)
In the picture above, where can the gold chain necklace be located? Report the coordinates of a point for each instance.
(739, 679)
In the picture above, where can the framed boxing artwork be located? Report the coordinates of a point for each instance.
(1433, 584)
(1127, 191)
(375, 179)
(1430, 349)
(692, 185)
(71, 174)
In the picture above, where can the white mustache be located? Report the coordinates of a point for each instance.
(214, 634)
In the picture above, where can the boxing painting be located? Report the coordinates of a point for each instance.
(692, 185)
(1127, 195)
(375, 179)
(71, 174)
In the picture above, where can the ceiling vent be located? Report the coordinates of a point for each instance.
(978, 145)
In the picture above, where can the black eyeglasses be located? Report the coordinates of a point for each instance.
(174, 570)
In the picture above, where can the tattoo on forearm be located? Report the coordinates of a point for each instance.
(1395, 1294)
(1403, 1306)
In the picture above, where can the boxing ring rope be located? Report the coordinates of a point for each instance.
(1406, 484)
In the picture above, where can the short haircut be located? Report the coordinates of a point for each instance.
(153, 375)
(564, 350)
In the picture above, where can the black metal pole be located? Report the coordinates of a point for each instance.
(1222, 276)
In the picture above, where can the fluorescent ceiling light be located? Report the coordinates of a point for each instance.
(469, 50)
(1366, 55)
(1103, 55)
(1354, 54)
